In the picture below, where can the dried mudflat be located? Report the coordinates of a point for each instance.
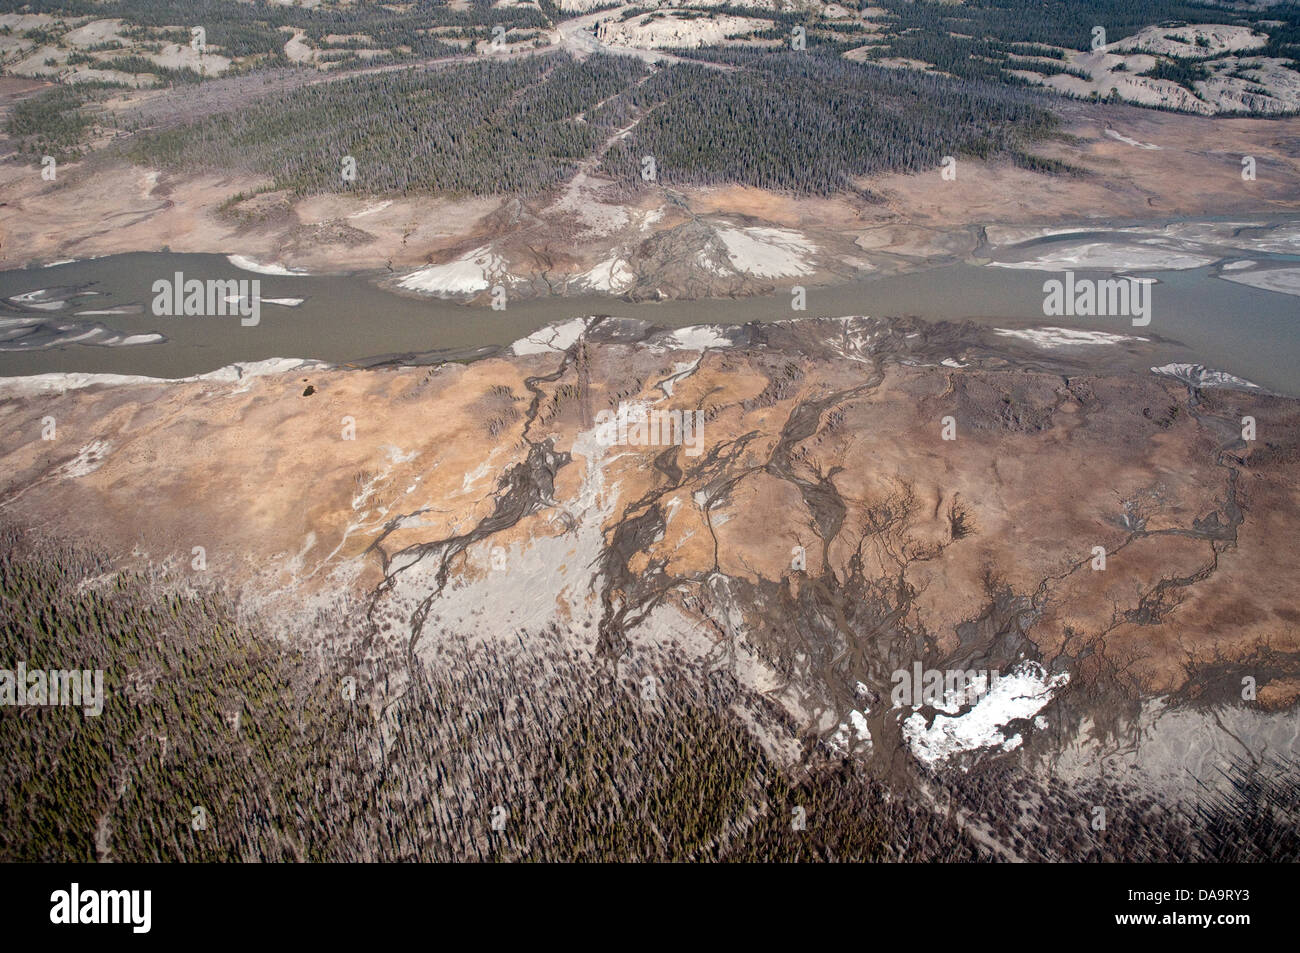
(824, 535)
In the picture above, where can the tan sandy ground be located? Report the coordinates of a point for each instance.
(288, 508)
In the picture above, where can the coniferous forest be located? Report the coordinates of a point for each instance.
(484, 127)
(423, 111)
(793, 121)
(809, 123)
(224, 744)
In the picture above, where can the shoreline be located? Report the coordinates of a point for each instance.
(1077, 352)
(1021, 235)
(1188, 327)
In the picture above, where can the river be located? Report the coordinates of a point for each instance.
(1196, 316)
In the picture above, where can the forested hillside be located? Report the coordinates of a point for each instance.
(52, 124)
(240, 29)
(892, 86)
(799, 122)
(957, 37)
(1066, 23)
(808, 123)
(485, 127)
(984, 38)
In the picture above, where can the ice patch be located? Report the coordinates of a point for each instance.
(1280, 280)
(553, 338)
(697, 338)
(1111, 256)
(132, 339)
(852, 733)
(469, 274)
(59, 383)
(283, 302)
(40, 299)
(1198, 375)
(681, 370)
(478, 473)
(248, 264)
(1021, 694)
(1052, 337)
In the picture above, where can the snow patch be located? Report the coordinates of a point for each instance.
(469, 274)
(1021, 694)
(1051, 337)
(852, 733)
(36, 384)
(1111, 256)
(372, 209)
(248, 264)
(697, 338)
(1198, 375)
(553, 338)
